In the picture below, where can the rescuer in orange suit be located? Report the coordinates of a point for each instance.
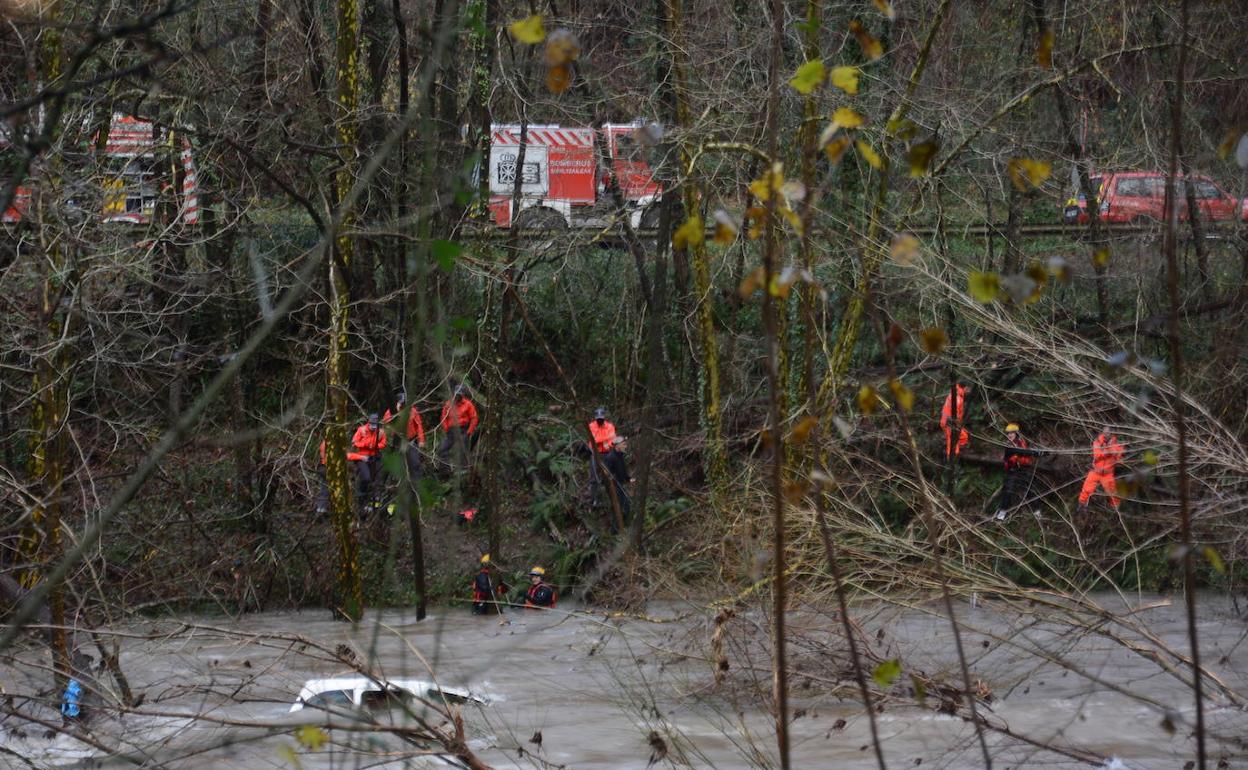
(415, 433)
(601, 444)
(1106, 454)
(459, 420)
(947, 415)
(540, 594)
(1016, 460)
(487, 591)
(603, 432)
(365, 456)
(322, 494)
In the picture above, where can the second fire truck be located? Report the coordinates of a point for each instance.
(562, 184)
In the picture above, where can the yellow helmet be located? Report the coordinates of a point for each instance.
(537, 572)
(485, 559)
(1011, 428)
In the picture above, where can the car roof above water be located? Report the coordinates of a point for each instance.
(356, 687)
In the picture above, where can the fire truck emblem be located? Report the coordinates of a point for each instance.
(507, 170)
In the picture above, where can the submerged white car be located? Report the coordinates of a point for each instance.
(362, 692)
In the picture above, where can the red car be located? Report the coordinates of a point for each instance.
(1138, 197)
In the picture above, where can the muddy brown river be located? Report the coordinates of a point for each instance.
(1066, 690)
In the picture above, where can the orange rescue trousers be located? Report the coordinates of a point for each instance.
(963, 439)
(1106, 480)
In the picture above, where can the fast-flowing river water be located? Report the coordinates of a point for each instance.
(612, 693)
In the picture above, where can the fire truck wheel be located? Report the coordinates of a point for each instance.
(540, 219)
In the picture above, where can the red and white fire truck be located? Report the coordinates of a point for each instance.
(128, 176)
(562, 185)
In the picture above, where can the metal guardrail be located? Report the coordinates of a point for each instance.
(963, 230)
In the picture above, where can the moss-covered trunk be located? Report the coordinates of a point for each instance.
(43, 545)
(351, 599)
(714, 458)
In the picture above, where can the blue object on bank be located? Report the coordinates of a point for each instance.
(71, 699)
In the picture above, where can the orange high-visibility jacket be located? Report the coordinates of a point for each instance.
(465, 416)
(1015, 459)
(415, 428)
(368, 442)
(947, 412)
(1106, 452)
(604, 435)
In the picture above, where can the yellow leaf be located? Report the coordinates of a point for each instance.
(1044, 50)
(808, 77)
(1028, 173)
(903, 395)
(846, 117)
(886, 8)
(726, 228)
(755, 217)
(794, 491)
(1214, 559)
(528, 30)
(904, 248)
(791, 275)
(1100, 257)
(836, 148)
(934, 340)
(868, 400)
(887, 672)
(1228, 143)
(779, 288)
(688, 234)
(751, 283)
(846, 79)
(288, 753)
(562, 47)
(792, 218)
(311, 736)
(558, 79)
(869, 155)
(1059, 268)
(871, 48)
(801, 431)
(920, 157)
(984, 287)
(1149, 457)
(770, 182)
(902, 128)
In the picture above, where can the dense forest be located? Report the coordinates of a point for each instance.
(768, 243)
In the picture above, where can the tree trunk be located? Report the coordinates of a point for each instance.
(773, 312)
(351, 590)
(1013, 260)
(44, 545)
(495, 330)
(808, 137)
(656, 310)
(714, 457)
(1197, 226)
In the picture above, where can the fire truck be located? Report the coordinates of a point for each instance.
(562, 184)
(128, 174)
